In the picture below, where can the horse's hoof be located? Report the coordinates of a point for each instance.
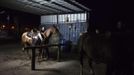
(58, 60)
(30, 57)
(45, 59)
(91, 72)
(39, 60)
(23, 50)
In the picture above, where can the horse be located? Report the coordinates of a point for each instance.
(32, 38)
(52, 36)
(108, 48)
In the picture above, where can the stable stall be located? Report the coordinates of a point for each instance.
(69, 16)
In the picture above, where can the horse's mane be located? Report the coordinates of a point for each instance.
(56, 28)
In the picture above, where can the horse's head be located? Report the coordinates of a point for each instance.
(49, 31)
(52, 30)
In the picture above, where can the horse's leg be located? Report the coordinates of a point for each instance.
(23, 49)
(110, 69)
(46, 54)
(27, 51)
(81, 63)
(40, 54)
(28, 54)
(92, 72)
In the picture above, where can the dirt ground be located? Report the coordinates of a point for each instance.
(15, 62)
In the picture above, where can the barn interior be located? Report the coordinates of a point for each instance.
(17, 14)
(71, 17)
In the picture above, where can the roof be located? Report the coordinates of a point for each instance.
(45, 7)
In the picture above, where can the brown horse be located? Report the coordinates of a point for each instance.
(96, 47)
(52, 36)
(115, 50)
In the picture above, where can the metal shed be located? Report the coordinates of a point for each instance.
(69, 16)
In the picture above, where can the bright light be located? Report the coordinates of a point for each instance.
(12, 27)
(3, 26)
(97, 31)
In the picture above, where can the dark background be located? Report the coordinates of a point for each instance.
(105, 13)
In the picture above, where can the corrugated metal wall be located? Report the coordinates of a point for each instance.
(70, 25)
(71, 31)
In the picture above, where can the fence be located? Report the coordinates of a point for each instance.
(43, 46)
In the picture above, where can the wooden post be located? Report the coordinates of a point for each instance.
(33, 59)
(34, 52)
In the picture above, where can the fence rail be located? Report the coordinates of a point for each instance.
(43, 46)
